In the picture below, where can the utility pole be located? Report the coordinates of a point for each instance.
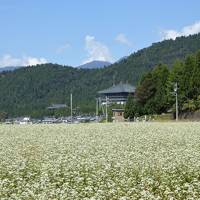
(106, 109)
(71, 107)
(97, 108)
(176, 95)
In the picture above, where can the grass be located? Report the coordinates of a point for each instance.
(100, 161)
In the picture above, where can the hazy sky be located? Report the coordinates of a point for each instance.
(73, 32)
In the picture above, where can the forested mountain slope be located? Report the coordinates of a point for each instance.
(28, 91)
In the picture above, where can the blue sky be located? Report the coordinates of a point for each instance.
(73, 32)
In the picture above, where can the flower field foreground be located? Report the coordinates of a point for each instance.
(100, 161)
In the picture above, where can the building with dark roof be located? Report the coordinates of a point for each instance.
(116, 94)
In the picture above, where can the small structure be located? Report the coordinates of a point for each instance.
(118, 115)
(116, 94)
(22, 120)
(56, 106)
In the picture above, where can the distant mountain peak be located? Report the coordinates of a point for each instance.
(95, 64)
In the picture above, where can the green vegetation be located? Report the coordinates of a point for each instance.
(154, 94)
(29, 91)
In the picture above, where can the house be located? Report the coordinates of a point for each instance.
(118, 115)
(22, 120)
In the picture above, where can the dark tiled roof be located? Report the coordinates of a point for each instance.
(120, 88)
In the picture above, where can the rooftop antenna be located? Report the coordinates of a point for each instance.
(114, 80)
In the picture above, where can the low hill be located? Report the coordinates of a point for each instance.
(30, 90)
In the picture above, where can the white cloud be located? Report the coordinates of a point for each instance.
(8, 60)
(121, 38)
(62, 48)
(96, 50)
(185, 31)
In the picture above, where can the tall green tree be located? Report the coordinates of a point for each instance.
(187, 82)
(130, 108)
(195, 83)
(175, 76)
(151, 94)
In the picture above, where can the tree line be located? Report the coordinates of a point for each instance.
(155, 91)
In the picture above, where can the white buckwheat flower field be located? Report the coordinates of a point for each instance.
(100, 161)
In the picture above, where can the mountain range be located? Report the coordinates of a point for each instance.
(30, 90)
(90, 65)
